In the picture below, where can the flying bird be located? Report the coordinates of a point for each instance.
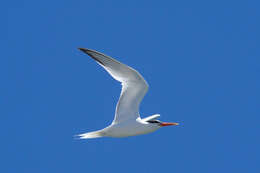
(127, 121)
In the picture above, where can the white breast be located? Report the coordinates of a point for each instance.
(129, 128)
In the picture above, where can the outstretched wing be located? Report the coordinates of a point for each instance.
(134, 87)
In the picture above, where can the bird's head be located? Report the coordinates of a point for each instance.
(161, 124)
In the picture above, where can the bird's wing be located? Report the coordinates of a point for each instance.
(134, 87)
(152, 117)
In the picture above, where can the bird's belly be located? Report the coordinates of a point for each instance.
(123, 130)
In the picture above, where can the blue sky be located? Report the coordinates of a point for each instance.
(200, 58)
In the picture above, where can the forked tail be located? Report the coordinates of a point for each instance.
(95, 134)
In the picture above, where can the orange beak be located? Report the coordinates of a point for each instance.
(168, 124)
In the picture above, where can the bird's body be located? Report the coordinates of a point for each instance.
(127, 121)
(128, 128)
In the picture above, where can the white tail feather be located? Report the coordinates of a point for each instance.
(95, 134)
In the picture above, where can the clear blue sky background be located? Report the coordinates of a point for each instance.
(200, 58)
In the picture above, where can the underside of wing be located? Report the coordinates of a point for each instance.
(134, 87)
(117, 70)
(128, 105)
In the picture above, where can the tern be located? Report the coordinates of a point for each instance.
(127, 121)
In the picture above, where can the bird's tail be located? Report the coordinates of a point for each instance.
(95, 134)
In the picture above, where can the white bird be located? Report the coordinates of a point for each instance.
(127, 121)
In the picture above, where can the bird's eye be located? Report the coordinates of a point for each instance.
(153, 121)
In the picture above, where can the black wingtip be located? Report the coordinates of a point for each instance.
(83, 49)
(88, 51)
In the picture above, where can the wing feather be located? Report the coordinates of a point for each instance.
(134, 87)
